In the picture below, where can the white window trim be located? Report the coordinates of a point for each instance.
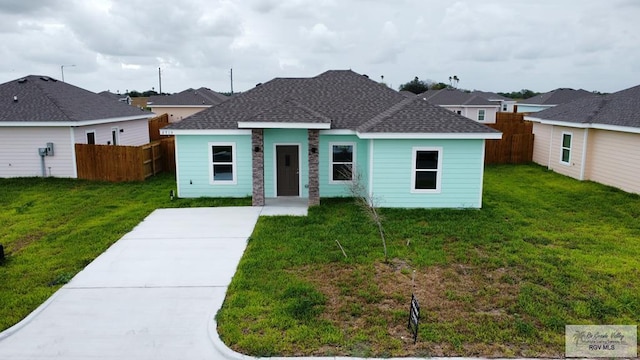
(414, 152)
(86, 136)
(116, 140)
(234, 167)
(562, 148)
(484, 114)
(331, 163)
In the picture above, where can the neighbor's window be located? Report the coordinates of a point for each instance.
(566, 148)
(426, 169)
(91, 137)
(481, 114)
(342, 164)
(223, 163)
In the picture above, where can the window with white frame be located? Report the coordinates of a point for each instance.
(565, 156)
(426, 169)
(481, 113)
(342, 161)
(223, 163)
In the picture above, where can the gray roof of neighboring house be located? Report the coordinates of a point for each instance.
(342, 97)
(201, 96)
(621, 108)
(490, 95)
(452, 97)
(557, 96)
(42, 98)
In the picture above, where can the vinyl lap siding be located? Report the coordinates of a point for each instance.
(135, 133)
(193, 166)
(614, 159)
(19, 152)
(462, 174)
(577, 144)
(542, 138)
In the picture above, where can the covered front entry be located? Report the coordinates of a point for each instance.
(287, 170)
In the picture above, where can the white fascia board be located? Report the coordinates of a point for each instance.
(282, 125)
(72, 123)
(338, 132)
(204, 132)
(626, 129)
(456, 136)
(497, 106)
(179, 106)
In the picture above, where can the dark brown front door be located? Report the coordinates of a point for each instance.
(287, 170)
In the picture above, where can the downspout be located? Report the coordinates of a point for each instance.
(583, 164)
(42, 165)
(550, 147)
(371, 170)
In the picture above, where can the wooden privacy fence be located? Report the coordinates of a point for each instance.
(124, 163)
(155, 124)
(516, 145)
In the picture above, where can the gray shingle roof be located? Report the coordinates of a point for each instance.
(42, 98)
(557, 96)
(201, 96)
(346, 99)
(621, 108)
(454, 97)
(490, 95)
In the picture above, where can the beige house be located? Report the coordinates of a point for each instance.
(469, 105)
(593, 138)
(184, 104)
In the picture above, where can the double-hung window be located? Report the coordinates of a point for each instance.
(426, 169)
(481, 114)
(342, 162)
(222, 158)
(565, 156)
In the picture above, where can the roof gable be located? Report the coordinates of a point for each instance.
(341, 98)
(557, 96)
(621, 108)
(45, 99)
(201, 96)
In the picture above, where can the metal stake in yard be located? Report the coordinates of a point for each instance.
(414, 310)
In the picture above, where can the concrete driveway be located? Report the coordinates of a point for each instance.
(152, 295)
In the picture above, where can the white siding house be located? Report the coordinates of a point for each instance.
(41, 120)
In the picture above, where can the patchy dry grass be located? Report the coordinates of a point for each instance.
(544, 251)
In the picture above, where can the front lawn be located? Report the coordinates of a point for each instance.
(52, 228)
(544, 251)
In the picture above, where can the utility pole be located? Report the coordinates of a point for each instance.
(62, 70)
(231, 81)
(160, 81)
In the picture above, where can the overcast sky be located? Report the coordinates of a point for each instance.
(492, 45)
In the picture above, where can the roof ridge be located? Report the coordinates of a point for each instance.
(294, 102)
(386, 113)
(50, 98)
(601, 104)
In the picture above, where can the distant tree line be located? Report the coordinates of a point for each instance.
(522, 94)
(418, 86)
(134, 93)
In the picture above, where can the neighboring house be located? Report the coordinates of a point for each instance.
(593, 138)
(466, 104)
(551, 99)
(506, 104)
(311, 137)
(116, 97)
(186, 103)
(41, 119)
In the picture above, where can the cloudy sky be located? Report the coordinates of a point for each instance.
(493, 45)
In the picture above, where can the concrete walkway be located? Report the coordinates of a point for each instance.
(151, 295)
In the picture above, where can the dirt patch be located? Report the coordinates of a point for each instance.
(23, 242)
(372, 301)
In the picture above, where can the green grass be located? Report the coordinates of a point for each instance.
(545, 251)
(52, 228)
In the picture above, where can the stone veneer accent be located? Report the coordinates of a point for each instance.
(257, 140)
(314, 183)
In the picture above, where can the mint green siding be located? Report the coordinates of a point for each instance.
(462, 174)
(193, 164)
(273, 137)
(328, 189)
